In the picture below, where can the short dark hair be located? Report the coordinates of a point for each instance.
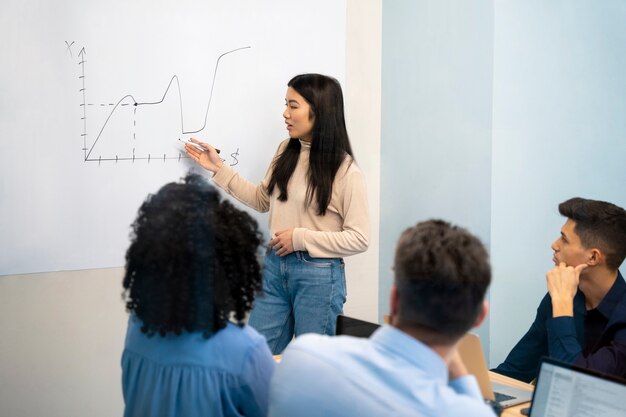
(599, 225)
(441, 273)
(192, 263)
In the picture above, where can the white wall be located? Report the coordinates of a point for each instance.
(362, 96)
(62, 338)
(63, 332)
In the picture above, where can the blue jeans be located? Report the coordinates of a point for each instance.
(300, 295)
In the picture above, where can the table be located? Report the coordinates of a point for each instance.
(511, 411)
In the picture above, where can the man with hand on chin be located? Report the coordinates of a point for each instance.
(582, 319)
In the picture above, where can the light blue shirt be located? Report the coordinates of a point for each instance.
(188, 375)
(389, 374)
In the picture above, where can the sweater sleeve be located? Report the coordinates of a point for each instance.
(252, 195)
(354, 236)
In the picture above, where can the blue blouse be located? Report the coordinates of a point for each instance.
(188, 375)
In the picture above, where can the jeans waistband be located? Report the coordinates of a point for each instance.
(300, 255)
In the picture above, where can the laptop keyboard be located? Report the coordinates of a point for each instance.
(499, 397)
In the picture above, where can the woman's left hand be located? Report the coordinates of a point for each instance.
(282, 242)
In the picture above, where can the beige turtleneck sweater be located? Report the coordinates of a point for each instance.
(343, 231)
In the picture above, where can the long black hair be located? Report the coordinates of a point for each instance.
(329, 144)
(192, 262)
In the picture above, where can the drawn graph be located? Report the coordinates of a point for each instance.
(128, 129)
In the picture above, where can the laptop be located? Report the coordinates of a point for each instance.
(504, 395)
(354, 327)
(567, 390)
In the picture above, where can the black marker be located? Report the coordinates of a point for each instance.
(200, 147)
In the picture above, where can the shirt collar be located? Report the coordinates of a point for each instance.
(613, 297)
(410, 349)
(580, 308)
(305, 145)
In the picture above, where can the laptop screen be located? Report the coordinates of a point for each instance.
(355, 327)
(566, 390)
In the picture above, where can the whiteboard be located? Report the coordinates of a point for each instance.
(94, 96)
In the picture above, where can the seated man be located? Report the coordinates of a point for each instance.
(410, 367)
(582, 319)
(191, 277)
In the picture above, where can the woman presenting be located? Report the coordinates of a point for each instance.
(316, 198)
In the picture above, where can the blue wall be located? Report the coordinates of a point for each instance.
(559, 131)
(436, 120)
(492, 113)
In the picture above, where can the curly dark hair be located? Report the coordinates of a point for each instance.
(192, 263)
(442, 273)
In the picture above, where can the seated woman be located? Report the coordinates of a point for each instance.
(191, 277)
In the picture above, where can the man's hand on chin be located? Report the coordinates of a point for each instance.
(562, 281)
